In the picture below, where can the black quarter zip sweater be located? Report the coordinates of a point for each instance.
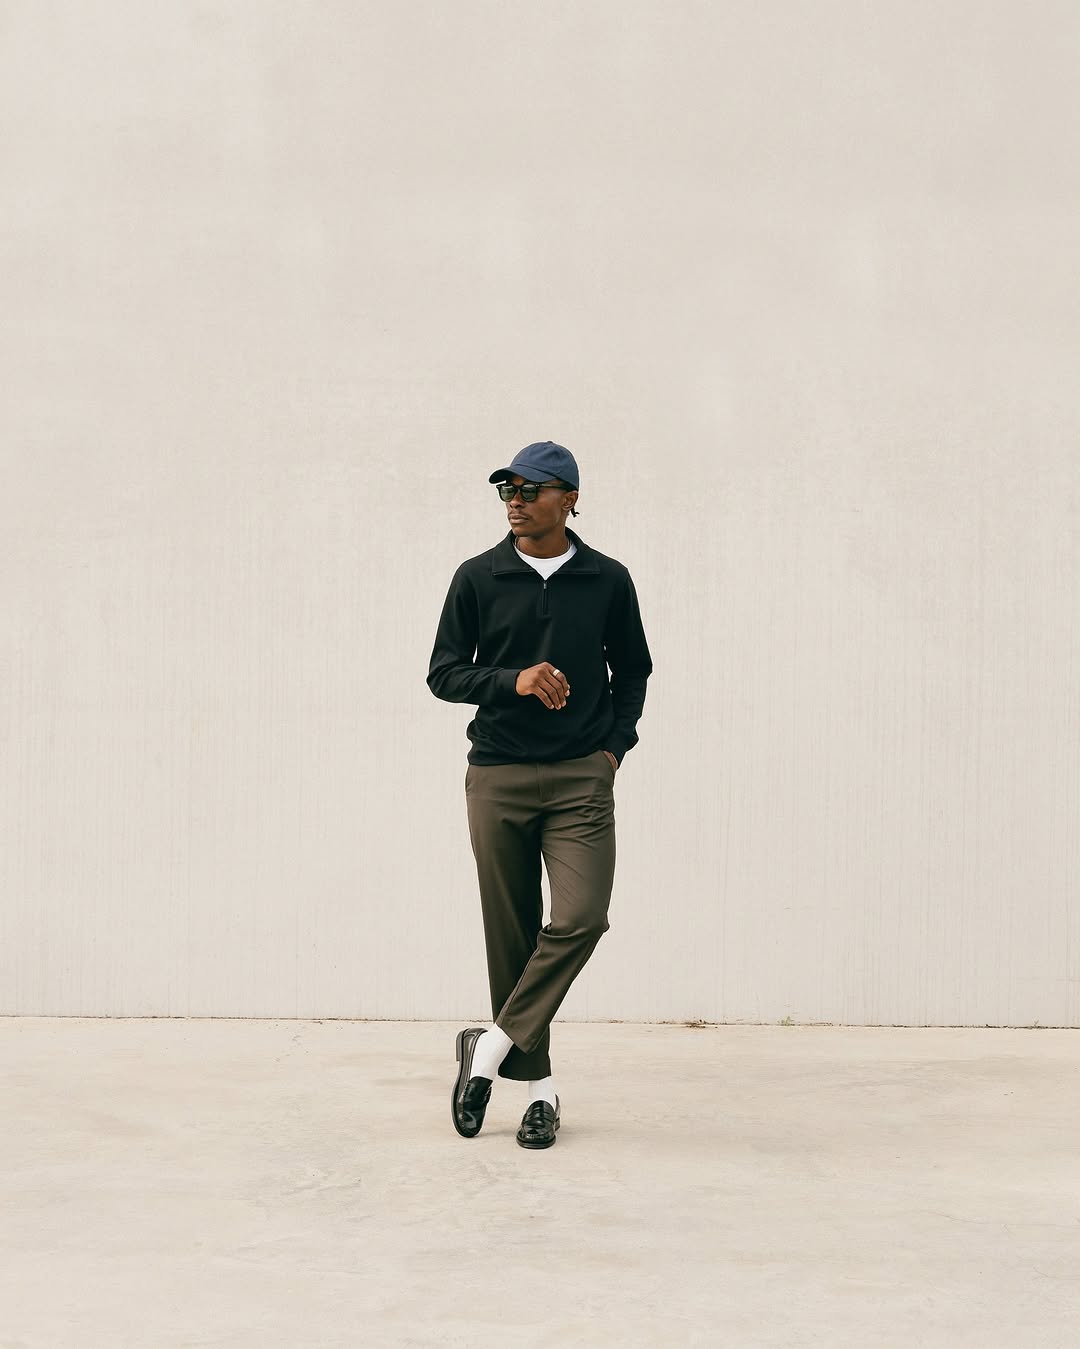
(501, 616)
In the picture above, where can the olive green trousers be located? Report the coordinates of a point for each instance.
(563, 812)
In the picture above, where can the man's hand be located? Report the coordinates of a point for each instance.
(614, 761)
(549, 684)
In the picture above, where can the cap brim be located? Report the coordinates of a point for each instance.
(504, 474)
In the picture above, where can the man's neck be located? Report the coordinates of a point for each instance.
(552, 544)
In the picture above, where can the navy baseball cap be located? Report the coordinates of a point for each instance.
(543, 459)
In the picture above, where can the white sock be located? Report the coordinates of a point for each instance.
(491, 1048)
(544, 1090)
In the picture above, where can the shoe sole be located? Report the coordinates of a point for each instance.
(459, 1083)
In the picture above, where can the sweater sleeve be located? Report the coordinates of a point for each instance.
(628, 658)
(452, 675)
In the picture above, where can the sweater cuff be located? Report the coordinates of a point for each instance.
(506, 686)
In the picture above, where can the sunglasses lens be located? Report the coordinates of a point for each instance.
(508, 491)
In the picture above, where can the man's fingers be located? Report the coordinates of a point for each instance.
(553, 687)
(544, 691)
(555, 692)
(563, 682)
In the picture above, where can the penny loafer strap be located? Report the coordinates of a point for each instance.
(477, 1092)
(539, 1115)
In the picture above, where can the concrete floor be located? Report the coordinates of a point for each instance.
(280, 1183)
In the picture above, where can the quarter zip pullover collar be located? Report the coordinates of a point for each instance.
(506, 559)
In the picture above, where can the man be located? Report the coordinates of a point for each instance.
(528, 632)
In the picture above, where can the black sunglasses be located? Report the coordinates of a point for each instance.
(529, 490)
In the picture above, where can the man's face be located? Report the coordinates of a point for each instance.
(535, 517)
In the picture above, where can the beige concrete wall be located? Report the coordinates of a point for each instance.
(798, 283)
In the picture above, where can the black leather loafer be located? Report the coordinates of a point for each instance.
(470, 1096)
(538, 1125)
